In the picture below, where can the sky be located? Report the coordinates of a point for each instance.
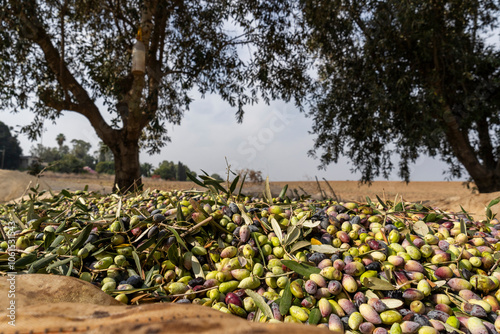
(273, 139)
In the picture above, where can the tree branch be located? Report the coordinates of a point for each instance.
(87, 107)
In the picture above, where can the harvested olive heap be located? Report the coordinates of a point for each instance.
(375, 267)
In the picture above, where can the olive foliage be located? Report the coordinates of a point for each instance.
(406, 78)
(68, 55)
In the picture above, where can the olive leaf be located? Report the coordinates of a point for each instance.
(463, 228)
(244, 214)
(31, 212)
(24, 261)
(370, 294)
(392, 303)
(293, 233)
(286, 299)
(149, 275)
(177, 237)
(277, 230)
(314, 316)
(260, 302)
(420, 228)
(196, 266)
(283, 191)
(18, 221)
(70, 269)
(439, 284)
(450, 329)
(84, 234)
(138, 264)
(301, 268)
(377, 284)
(268, 194)
(298, 245)
(145, 245)
(56, 242)
(326, 249)
(232, 187)
(35, 266)
(311, 224)
(60, 263)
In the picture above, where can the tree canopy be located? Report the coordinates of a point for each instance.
(71, 55)
(407, 78)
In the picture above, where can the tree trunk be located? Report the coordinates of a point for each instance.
(486, 175)
(127, 166)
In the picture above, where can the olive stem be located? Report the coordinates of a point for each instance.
(200, 224)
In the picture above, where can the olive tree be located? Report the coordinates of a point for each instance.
(75, 56)
(401, 77)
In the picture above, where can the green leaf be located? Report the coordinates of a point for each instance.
(60, 263)
(463, 227)
(241, 184)
(398, 207)
(177, 237)
(180, 216)
(18, 221)
(277, 229)
(286, 299)
(298, 245)
(149, 276)
(138, 264)
(68, 273)
(25, 260)
(314, 317)
(196, 267)
(466, 214)
(66, 193)
(49, 238)
(293, 233)
(56, 242)
(381, 202)
(493, 202)
(233, 185)
(31, 212)
(301, 268)
(195, 180)
(84, 234)
(407, 236)
(269, 196)
(283, 192)
(198, 208)
(146, 245)
(173, 255)
(375, 283)
(260, 302)
(244, 214)
(42, 262)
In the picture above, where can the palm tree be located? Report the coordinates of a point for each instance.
(60, 140)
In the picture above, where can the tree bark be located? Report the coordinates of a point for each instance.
(127, 166)
(486, 175)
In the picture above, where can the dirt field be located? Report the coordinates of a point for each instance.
(444, 195)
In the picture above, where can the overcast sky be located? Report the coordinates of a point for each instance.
(273, 139)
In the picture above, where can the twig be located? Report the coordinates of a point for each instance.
(331, 189)
(200, 224)
(323, 195)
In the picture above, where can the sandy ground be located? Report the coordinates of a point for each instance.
(447, 196)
